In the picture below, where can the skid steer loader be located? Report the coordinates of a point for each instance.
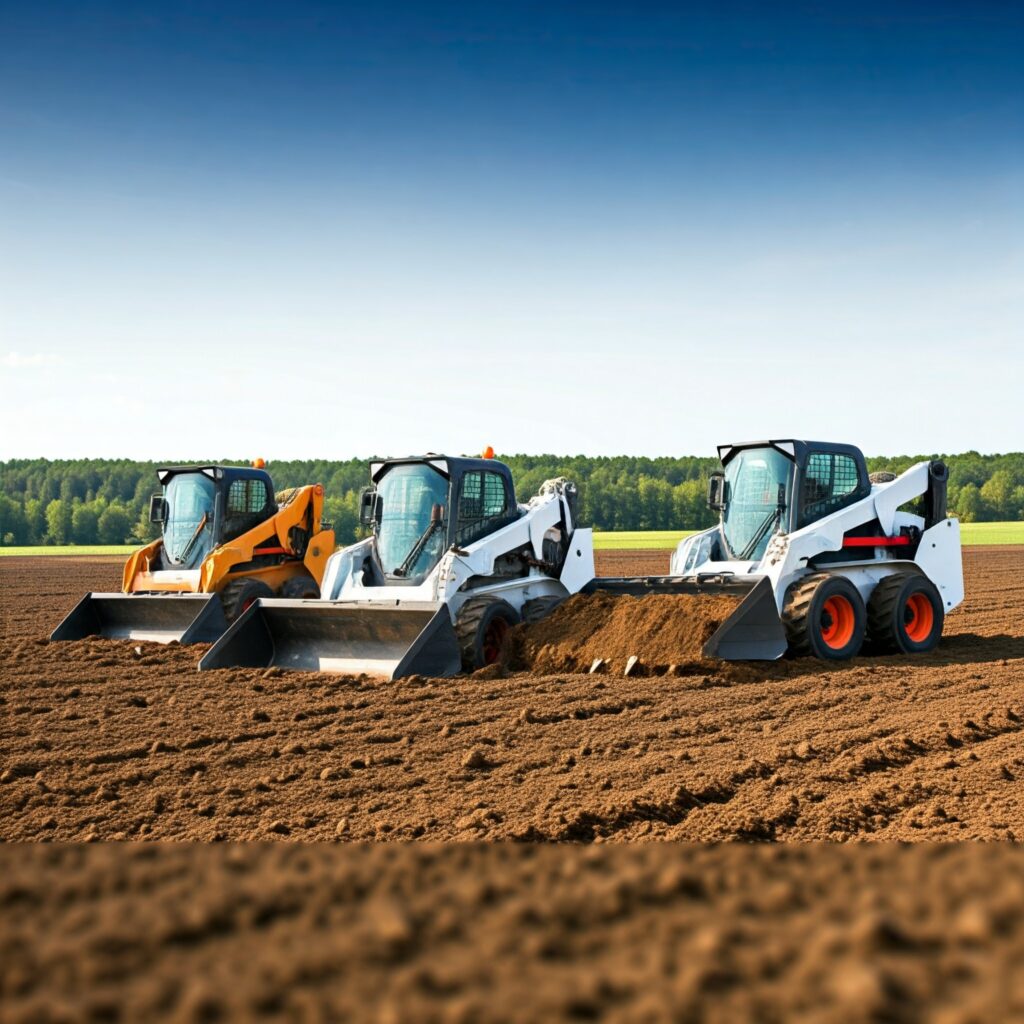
(452, 563)
(821, 556)
(226, 541)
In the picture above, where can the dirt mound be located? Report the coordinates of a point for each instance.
(661, 630)
(510, 932)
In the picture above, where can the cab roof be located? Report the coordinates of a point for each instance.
(218, 473)
(791, 448)
(453, 466)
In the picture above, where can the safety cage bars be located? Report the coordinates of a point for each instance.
(484, 506)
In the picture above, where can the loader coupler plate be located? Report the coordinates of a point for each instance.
(381, 639)
(158, 618)
(752, 632)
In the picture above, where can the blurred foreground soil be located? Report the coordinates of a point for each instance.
(512, 932)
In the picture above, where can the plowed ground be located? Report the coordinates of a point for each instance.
(511, 932)
(103, 739)
(99, 740)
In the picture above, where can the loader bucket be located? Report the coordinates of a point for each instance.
(752, 632)
(158, 618)
(381, 639)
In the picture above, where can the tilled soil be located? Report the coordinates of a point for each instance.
(99, 740)
(104, 740)
(512, 932)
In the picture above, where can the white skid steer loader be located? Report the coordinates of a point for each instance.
(452, 564)
(823, 556)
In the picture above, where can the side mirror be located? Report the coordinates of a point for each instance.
(369, 507)
(717, 492)
(157, 509)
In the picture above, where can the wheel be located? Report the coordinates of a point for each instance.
(905, 614)
(539, 608)
(239, 595)
(481, 627)
(300, 588)
(824, 616)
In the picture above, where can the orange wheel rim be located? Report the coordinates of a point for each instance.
(918, 617)
(837, 622)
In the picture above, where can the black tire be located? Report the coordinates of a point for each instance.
(905, 614)
(241, 594)
(481, 627)
(300, 588)
(824, 617)
(539, 608)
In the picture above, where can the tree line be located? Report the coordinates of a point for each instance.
(106, 501)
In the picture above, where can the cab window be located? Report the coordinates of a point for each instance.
(831, 482)
(484, 505)
(246, 496)
(247, 506)
(188, 533)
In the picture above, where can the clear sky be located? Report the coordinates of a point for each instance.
(304, 230)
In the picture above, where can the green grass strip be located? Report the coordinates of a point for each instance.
(971, 534)
(639, 540)
(72, 549)
(991, 533)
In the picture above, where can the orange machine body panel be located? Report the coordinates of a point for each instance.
(297, 507)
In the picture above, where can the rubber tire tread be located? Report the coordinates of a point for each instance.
(234, 595)
(795, 613)
(539, 608)
(468, 625)
(291, 587)
(882, 613)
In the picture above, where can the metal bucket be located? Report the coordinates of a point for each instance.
(753, 632)
(158, 618)
(382, 639)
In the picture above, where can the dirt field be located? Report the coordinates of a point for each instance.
(100, 741)
(512, 932)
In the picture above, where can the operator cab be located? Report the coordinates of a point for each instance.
(769, 487)
(201, 507)
(418, 508)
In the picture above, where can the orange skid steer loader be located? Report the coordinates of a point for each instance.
(226, 540)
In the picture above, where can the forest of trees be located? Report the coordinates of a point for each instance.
(106, 501)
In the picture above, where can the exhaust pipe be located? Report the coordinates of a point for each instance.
(158, 618)
(380, 639)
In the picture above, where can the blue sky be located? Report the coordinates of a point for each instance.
(321, 230)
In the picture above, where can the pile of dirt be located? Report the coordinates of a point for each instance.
(512, 932)
(665, 632)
